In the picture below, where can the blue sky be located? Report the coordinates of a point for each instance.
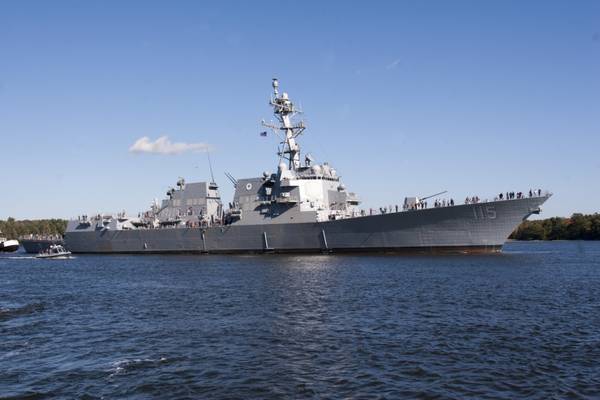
(403, 98)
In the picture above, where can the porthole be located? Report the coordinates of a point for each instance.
(248, 186)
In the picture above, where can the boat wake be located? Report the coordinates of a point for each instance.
(126, 365)
(36, 258)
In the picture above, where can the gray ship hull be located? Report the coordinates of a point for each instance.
(35, 246)
(482, 227)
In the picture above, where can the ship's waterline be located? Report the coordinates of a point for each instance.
(303, 207)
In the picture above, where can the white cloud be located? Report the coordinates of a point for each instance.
(163, 145)
(393, 64)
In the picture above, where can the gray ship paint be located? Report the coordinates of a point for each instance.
(300, 208)
(39, 245)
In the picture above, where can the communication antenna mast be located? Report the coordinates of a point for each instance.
(212, 176)
(231, 178)
(284, 111)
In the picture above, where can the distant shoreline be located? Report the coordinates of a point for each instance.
(14, 229)
(576, 227)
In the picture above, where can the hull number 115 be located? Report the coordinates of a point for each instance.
(484, 212)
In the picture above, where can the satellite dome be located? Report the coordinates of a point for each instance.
(317, 170)
(282, 167)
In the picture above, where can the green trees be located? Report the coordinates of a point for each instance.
(531, 231)
(577, 227)
(13, 229)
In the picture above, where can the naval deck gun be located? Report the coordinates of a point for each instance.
(411, 203)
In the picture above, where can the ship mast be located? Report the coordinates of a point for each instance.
(284, 111)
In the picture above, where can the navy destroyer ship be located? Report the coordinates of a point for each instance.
(302, 207)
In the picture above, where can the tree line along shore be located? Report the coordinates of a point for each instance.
(14, 229)
(576, 227)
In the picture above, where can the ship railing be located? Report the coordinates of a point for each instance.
(38, 236)
(507, 196)
(447, 203)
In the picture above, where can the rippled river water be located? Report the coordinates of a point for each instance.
(523, 324)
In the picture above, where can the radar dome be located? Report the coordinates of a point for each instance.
(317, 170)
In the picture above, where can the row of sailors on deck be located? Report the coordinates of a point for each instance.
(443, 203)
(421, 205)
(39, 236)
(382, 210)
(84, 218)
(518, 195)
(472, 200)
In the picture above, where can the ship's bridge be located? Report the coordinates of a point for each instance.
(307, 194)
(322, 172)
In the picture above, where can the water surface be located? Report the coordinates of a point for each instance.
(523, 324)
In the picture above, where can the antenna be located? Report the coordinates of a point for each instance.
(231, 178)
(284, 111)
(212, 176)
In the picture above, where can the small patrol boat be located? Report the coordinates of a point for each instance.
(55, 251)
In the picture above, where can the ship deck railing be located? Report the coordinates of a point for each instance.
(398, 209)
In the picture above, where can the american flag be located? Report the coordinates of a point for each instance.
(263, 134)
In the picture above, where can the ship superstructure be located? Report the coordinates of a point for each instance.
(302, 207)
(297, 192)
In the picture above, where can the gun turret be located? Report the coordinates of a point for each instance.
(433, 195)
